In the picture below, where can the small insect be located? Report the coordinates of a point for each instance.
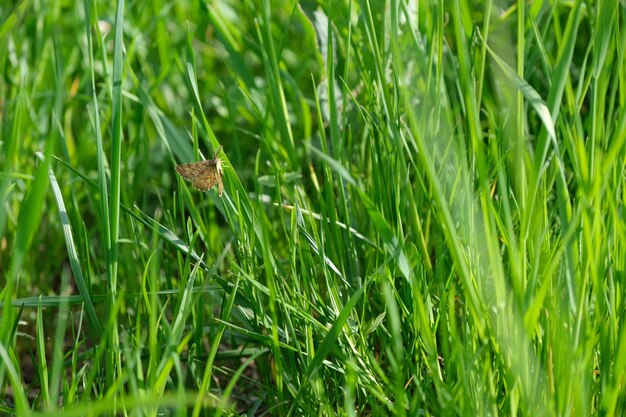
(204, 175)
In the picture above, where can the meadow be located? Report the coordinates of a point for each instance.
(422, 209)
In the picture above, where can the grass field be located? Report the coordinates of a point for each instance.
(423, 208)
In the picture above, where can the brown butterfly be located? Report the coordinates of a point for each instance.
(204, 175)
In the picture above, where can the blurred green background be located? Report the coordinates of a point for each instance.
(423, 208)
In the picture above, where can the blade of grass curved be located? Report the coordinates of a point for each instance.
(72, 253)
(534, 99)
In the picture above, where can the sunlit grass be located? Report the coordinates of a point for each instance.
(423, 209)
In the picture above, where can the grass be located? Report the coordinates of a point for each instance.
(423, 208)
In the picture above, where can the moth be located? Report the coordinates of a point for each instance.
(204, 175)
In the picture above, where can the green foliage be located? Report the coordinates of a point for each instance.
(423, 208)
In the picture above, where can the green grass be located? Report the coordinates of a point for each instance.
(423, 210)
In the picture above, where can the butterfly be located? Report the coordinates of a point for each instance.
(204, 175)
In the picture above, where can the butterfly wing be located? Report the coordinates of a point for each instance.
(187, 171)
(206, 177)
(203, 175)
